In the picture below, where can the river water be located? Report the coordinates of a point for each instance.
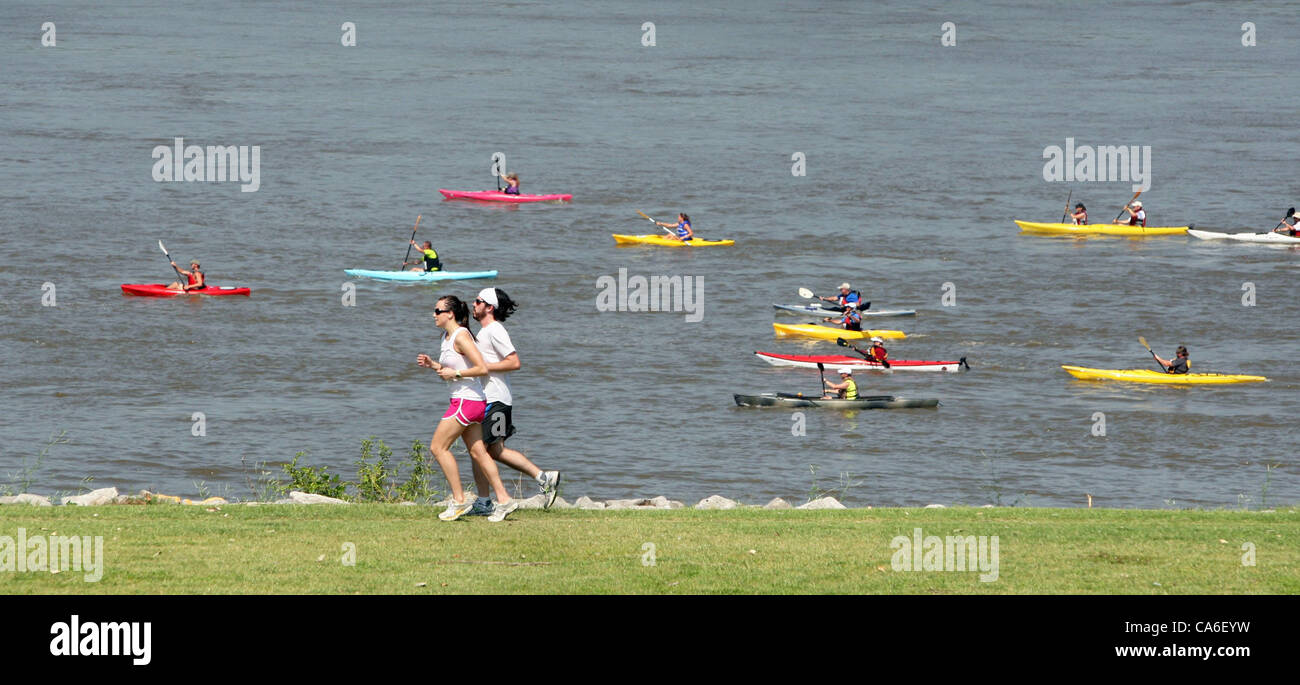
(917, 156)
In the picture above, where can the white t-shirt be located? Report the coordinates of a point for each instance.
(494, 344)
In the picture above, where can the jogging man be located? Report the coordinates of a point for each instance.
(491, 308)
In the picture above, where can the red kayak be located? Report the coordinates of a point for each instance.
(832, 361)
(498, 196)
(161, 290)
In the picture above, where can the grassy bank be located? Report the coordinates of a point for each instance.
(406, 550)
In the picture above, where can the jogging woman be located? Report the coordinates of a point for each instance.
(460, 364)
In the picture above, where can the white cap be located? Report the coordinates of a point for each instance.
(877, 339)
(488, 295)
(846, 370)
(844, 286)
(1138, 204)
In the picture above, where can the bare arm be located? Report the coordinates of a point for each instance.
(510, 363)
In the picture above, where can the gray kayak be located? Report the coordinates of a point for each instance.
(826, 311)
(785, 399)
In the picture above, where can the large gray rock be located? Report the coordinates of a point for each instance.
(662, 502)
(935, 506)
(624, 503)
(561, 504)
(716, 502)
(586, 502)
(93, 498)
(778, 503)
(534, 502)
(309, 498)
(27, 498)
(823, 503)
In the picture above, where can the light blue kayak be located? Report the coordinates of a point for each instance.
(419, 276)
(825, 311)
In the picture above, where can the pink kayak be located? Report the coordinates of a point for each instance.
(833, 361)
(161, 290)
(498, 196)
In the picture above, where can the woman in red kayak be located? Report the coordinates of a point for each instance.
(682, 228)
(194, 278)
(878, 351)
(460, 364)
(512, 184)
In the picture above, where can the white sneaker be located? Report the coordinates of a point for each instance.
(501, 511)
(549, 481)
(456, 510)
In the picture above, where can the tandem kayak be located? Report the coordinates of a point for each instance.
(664, 240)
(1149, 376)
(161, 290)
(832, 361)
(818, 309)
(1274, 238)
(498, 196)
(1100, 229)
(419, 276)
(832, 332)
(785, 399)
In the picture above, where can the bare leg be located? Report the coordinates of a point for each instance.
(473, 439)
(513, 458)
(175, 286)
(447, 432)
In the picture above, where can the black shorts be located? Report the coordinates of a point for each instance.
(498, 424)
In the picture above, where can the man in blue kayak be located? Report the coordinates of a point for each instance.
(848, 298)
(1181, 362)
(430, 260)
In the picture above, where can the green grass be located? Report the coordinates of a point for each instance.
(278, 549)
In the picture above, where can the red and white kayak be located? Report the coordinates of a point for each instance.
(498, 196)
(161, 290)
(831, 361)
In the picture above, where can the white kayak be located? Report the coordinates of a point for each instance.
(1273, 238)
(827, 311)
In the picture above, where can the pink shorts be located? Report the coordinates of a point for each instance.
(465, 411)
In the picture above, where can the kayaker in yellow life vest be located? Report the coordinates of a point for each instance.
(194, 278)
(430, 261)
(846, 389)
(1080, 214)
(1181, 363)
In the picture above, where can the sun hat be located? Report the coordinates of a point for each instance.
(488, 295)
(845, 286)
(844, 370)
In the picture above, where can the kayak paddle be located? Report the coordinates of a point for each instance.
(1067, 206)
(821, 371)
(179, 279)
(1121, 212)
(808, 294)
(1289, 213)
(844, 343)
(1153, 354)
(408, 245)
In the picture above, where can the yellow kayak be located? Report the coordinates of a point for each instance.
(832, 332)
(1150, 376)
(1099, 229)
(664, 240)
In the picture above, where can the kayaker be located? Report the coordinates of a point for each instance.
(1181, 363)
(491, 307)
(194, 278)
(851, 320)
(878, 351)
(512, 183)
(428, 262)
(846, 389)
(1080, 214)
(848, 297)
(461, 364)
(682, 228)
(1136, 215)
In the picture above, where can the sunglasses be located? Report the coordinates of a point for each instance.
(441, 311)
(479, 302)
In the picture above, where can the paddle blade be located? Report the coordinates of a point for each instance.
(821, 366)
(647, 216)
(841, 342)
(804, 292)
(1144, 343)
(160, 247)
